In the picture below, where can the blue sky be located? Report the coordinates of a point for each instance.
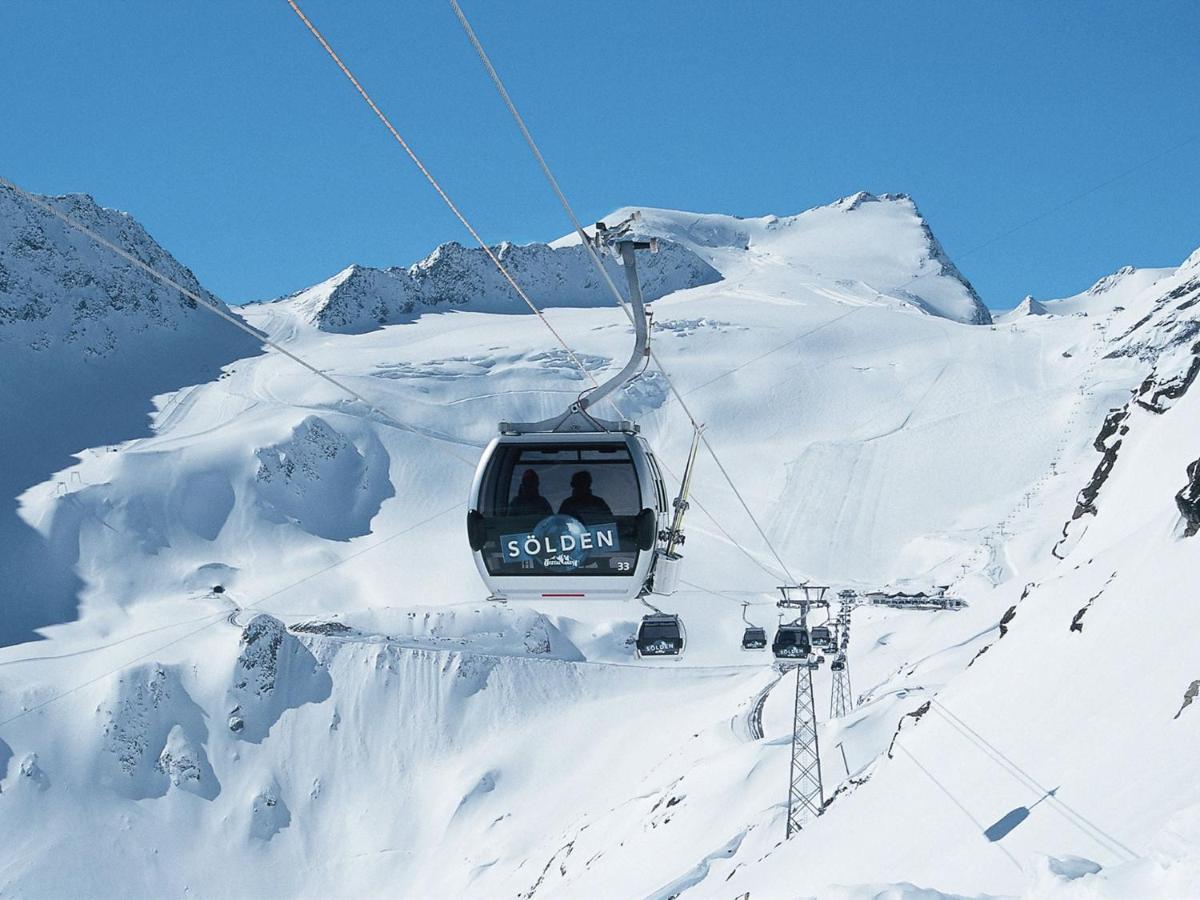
(226, 130)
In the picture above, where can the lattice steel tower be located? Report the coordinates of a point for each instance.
(841, 700)
(806, 793)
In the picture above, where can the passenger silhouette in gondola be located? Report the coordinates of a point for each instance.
(583, 504)
(529, 500)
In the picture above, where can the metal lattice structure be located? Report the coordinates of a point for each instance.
(841, 699)
(806, 794)
(840, 702)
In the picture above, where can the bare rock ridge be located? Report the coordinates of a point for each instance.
(58, 287)
(360, 299)
(1164, 337)
(1188, 500)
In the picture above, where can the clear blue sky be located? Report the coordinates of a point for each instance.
(226, 130)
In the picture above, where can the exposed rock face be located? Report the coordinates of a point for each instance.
(59, 288)
(1189, 696)
(1162, 393)
(1188, 500)
(155, 734)
(360, 299)
(1165, 337)
(321, 480)
(274, 672)
(1108, 282)
(981, 315)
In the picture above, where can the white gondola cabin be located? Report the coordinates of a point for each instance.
(575, 507)
(567, 515)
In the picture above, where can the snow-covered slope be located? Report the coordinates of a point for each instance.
(384, 730)
(881, 245)
(87, 341)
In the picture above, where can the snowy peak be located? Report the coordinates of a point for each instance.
(59, 288)
(878, 243)
(1024, 309)
(360, 299)
(1108, 282)
(1192, 263)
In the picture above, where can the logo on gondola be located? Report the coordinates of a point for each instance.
(561, 542)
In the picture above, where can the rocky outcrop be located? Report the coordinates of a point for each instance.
(321, 480)
(1188, 500)
(274, 672)
(1189, 696)
(154, 735)
(361, 299)
(1161, 394)
(58, 287)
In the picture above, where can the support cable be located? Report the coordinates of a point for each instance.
(509, 278)
(598, 264)
(1089, 828)
(216, 617)
(966, 812)
(434, 184)
(236, 321)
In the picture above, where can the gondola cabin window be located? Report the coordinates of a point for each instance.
(561, 510)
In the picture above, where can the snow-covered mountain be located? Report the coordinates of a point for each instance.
(346, 715)
(359, 299)
(87, 341)
(876, 245)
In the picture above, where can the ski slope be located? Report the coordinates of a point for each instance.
(348, 716)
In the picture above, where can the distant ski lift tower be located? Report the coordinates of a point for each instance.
(840, 702)
(806, 794)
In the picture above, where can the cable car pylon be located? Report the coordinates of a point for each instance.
(841, 699)
(806, 791)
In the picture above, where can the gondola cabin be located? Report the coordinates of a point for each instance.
(754, 639)
(567, 515)
(791, 642)
(821, 636)
(660, 634)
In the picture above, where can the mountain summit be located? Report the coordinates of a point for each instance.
(878, 244)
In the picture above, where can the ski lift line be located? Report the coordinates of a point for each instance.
(1087, 828)
(111, 644)
(537, 153)
(437, 187)
(750, 556)
(715, 593)
(593, 257)
(742, 501)
(993, 752)
(217, 617)
(966, 812)
(218, 311)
